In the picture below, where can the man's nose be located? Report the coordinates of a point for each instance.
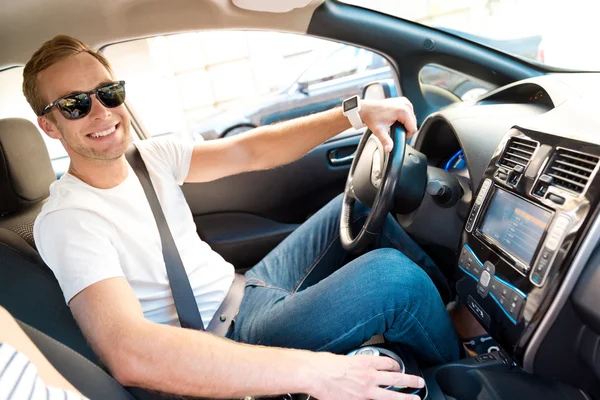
(99, 111)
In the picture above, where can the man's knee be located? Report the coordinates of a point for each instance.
(395, 272)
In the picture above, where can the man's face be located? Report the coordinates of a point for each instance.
(82, 73)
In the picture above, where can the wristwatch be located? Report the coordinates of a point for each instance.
(351, 107)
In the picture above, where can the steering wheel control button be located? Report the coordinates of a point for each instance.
(483, 285)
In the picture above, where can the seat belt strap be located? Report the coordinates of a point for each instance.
(185, 302)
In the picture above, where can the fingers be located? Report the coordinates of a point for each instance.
(409, 120)
(384, 137)
(385, 378)
(381, 363)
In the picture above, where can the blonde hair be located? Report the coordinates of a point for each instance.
(51, 52)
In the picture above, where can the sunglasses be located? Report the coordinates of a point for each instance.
(78, 105)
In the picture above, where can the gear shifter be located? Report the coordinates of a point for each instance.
(407, 363)
(380, 352)
(408, 367)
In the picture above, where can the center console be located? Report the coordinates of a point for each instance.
(532, 207)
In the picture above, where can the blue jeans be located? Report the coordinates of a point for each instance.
(301, 295)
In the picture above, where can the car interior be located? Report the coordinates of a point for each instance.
(501, 191)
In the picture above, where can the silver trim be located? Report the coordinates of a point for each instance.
(341, 161)
(581, 258)
(483, 192)
(554, 253)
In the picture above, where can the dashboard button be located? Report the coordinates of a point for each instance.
(494, 287)
(485, 278)
(552, 243)
(562, 222)
(556, 199)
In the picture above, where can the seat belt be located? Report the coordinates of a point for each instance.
(185, 302)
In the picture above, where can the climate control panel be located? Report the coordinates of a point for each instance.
(508, 298)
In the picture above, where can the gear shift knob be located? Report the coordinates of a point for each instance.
(380, 352)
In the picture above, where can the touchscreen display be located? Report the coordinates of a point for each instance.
(516, 225)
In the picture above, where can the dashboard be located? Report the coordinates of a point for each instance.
(528, 156)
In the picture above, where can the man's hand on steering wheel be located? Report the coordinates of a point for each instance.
(380, 115)
(376, 168)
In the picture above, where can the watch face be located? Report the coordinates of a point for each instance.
(351, 103)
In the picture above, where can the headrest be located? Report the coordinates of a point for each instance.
(25, 168)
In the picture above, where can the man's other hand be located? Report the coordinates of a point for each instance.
(380, 115)
(361, 378)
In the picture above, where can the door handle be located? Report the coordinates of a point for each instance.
(336, 160)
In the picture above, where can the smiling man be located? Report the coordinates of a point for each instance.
(98, 235)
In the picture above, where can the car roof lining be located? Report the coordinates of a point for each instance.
(26, 24)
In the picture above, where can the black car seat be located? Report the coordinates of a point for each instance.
(28, 289)
(87, 377)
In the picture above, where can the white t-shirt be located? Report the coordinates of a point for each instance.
(86, 235)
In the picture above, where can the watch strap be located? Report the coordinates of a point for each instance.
(354, 118)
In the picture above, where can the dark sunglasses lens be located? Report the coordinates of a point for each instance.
(75, 107)
(112, 95)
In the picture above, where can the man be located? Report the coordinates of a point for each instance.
(98, 235)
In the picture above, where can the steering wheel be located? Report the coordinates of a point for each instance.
(372, 181)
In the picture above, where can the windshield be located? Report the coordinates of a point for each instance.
(557, 33)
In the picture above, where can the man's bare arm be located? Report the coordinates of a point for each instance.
(182, 361)
(274, 145)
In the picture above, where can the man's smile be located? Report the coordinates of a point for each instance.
(104, 133)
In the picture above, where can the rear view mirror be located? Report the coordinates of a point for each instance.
(377, 91)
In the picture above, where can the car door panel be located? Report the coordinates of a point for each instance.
(244, 216)
(242, 238)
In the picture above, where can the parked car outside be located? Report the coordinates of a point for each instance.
(343, 73)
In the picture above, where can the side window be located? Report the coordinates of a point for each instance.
(343, 62)
(461, 85)
(14, 105)
(210, 85)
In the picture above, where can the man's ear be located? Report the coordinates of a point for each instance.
(49, 127)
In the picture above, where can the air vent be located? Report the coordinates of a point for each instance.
(571, 170)
(517, 152)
